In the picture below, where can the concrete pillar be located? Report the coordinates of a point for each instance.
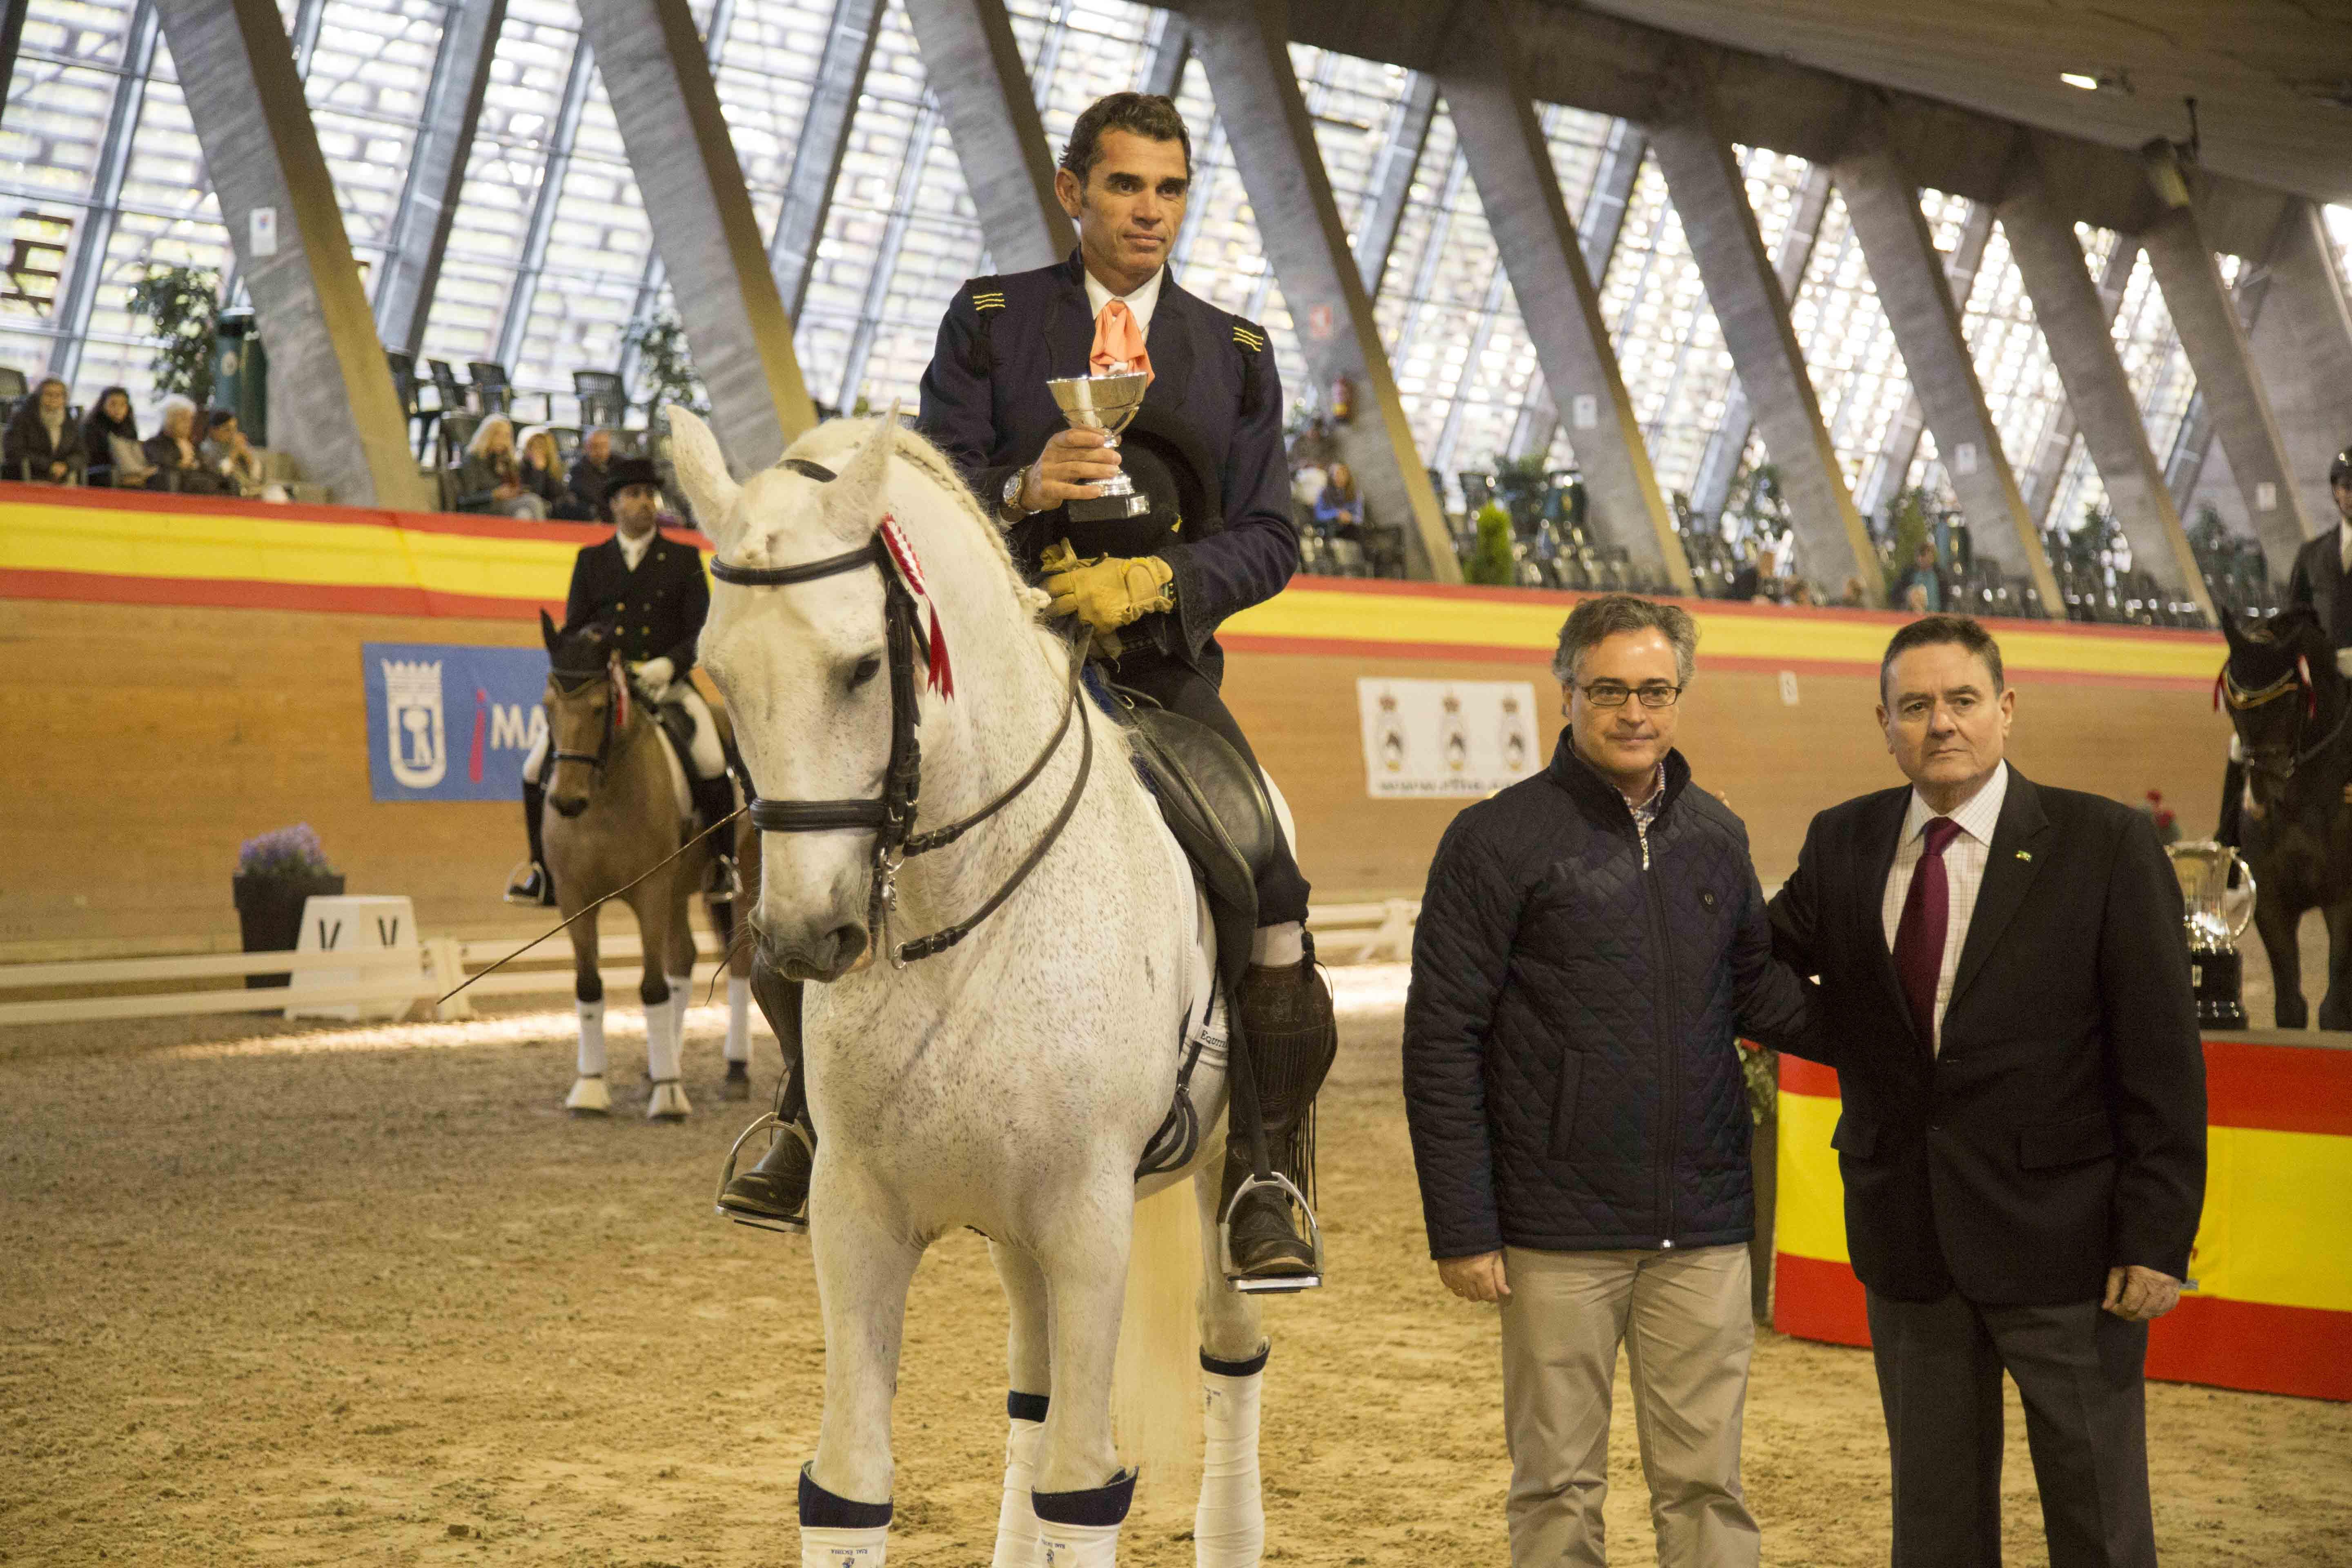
(2047, 466)
(1719, 465)
(1496, 123)
(974, 67)
(816, 154)
(330, 399)
(1702, 181)
(1901, 446)
(1598, 227)
(1907, 272)
(2076, 323)
(1391, 182)
(2302, 344)
(1171, 51)
(2184, 466)
(2216, 345)
(1243, 47)
(666, 107)
(419, 234)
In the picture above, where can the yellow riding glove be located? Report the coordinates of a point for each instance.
(1109, 593)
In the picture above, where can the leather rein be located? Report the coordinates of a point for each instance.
(890, 816)
(2296, 680)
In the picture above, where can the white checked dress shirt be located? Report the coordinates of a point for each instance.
(1964, 869)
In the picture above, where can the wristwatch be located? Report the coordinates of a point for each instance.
(1009, 502)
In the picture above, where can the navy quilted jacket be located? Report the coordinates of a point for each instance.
(1569, 1071)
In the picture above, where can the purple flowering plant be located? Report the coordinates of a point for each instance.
(284, 852)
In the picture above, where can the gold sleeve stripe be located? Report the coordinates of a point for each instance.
(1248, 338)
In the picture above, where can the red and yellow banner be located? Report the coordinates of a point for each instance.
(131, 547)
(2272, 1310)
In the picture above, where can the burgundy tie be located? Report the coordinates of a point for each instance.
(1919, 934)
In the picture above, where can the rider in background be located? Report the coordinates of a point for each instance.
(2322, 582)
(653, 591)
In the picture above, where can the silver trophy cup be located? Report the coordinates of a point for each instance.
(2217, 891)
(1104, 403)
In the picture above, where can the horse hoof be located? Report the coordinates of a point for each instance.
(669, 1102)
(738, 1082)
(589, 1097)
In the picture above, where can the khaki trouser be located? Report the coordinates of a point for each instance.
(1683, 1319)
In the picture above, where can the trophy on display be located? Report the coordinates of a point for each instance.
(1104, 403)
(2218, 890)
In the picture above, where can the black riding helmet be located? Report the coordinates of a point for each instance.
(1168, 464)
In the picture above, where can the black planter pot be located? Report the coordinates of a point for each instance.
(269, 913)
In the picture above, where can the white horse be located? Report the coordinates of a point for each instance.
(1011, 1083)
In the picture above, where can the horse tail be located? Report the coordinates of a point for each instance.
(1155, 1391)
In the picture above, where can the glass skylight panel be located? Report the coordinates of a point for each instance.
(1849, 347)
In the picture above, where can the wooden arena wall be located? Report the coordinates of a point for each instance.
(183, 674)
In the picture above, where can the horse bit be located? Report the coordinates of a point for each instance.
(891, 815)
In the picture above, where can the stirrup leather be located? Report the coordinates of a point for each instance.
(1281, 1284)
(795, 1226)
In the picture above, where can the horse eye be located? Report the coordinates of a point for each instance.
(867, 669)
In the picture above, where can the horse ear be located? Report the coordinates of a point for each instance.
(855, 503)
(547, 629)
(702, 473)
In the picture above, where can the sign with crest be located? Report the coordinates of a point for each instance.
(448, 721)
(1432, 738)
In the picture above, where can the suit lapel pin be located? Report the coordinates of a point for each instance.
(2025, 854)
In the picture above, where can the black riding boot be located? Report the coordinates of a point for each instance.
(774, 1193)
(532, 885)
(2233, 794)
(1291, 1038)
(714, 802)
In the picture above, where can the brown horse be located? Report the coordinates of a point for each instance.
(618, 805)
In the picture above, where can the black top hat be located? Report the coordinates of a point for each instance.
(1165, 458)
(630, 471)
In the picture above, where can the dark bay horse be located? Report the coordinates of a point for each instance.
(2289, 705)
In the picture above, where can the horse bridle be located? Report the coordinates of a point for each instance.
(890, 816)
(571, 680)
(2293, 680)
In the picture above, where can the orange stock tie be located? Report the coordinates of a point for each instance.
(1118, 343)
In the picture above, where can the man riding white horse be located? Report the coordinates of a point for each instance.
(2322, 579)
(1151, 595)
(652, 592)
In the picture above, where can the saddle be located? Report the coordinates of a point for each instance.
(678, 726)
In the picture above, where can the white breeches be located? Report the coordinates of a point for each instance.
(705, 756)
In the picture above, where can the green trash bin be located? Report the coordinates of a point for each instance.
(241, 374)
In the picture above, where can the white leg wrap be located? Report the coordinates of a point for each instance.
(1078, 1545)
(681, 996)
(1279, 946)
(1016, 1520)
(823, 1548)
(592, 1038)
(661, 1042)
(1229, 1525)
(739, 1020)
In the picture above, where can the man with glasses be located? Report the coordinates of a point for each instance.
(1592, 941)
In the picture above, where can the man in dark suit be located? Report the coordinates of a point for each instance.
(2006, 998)
(2318, 580)
(652, 592)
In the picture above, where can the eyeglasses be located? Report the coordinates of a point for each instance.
(1610, 694)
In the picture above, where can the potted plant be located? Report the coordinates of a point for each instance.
(1491, 560)
(276, 872)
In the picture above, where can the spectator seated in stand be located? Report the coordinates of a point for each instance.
(111, 439)
(1915, 599)
(588, 474)
(43, 445)
(1855, 596)
(1340, 509)
(227, 453)
(1928, 575)
(1749, 582)
(172, 453)
(542, 476)
(490, 480)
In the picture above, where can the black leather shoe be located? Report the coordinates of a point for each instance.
(1267, 1247)
(773, 1193)
(533, 887)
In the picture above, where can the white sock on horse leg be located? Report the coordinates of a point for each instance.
(1080, 1530)
(739, 1019)
(824, 1548)
(1016, 1519)
(1279, 946)
(592, 1038)
(681, 998)
(661, 1042)
(1229, 1524)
